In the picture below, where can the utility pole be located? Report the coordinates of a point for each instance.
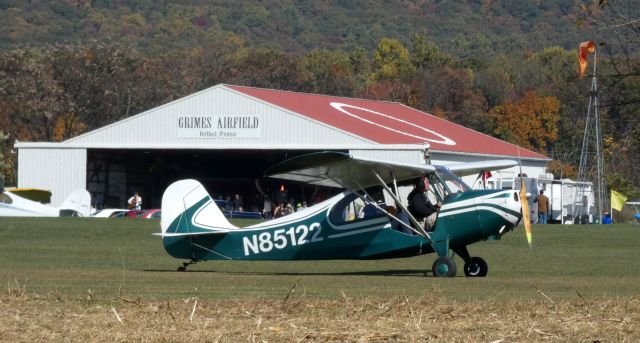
(592, 132)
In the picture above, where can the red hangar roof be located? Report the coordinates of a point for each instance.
(387, 122)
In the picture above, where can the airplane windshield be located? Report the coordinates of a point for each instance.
(452, 183)
(5, 199)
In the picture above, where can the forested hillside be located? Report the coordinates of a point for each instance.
(508, 69)
(462, 28)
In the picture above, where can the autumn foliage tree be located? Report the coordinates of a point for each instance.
(530, 122)
(7, 172)
(392, 61)
(327, 72)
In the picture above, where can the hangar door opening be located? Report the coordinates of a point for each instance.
(114, 175)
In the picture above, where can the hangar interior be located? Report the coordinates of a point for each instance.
(113, 175)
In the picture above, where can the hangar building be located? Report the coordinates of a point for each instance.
(226, 136)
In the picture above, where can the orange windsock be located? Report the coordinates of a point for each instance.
(588, 47)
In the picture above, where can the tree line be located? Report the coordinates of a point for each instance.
(533, 98)
(460, 27)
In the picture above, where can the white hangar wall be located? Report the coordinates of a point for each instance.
(62, 167)
(59, 170)
(158, 128)
(161, 125)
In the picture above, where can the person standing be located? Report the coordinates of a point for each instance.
(135, 202)
(278, 211)
(543, 207)
(237, 203)
(267, 208)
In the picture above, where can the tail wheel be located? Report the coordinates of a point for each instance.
(476, 267)
(444, 266)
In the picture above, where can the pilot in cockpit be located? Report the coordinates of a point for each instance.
(420, 207)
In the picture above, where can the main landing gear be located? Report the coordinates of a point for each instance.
(476, 267)
(473, 266)
(184, 265)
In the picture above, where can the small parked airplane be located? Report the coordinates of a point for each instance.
(194, 228)
(77, 204)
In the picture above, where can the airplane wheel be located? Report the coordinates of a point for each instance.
(476, 267)
(444, 266)
(182, 269)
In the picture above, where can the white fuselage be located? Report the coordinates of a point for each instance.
(12, 205)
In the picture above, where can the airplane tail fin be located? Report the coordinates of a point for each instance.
(78, 203)
(187, 208)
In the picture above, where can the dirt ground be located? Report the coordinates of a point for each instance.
(27, 318)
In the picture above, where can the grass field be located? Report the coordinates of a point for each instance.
(577, 283)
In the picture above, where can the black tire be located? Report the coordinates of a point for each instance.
(444, 267)
(476, 267)
(182, 269)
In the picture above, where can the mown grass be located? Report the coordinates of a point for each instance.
(118, 257)
(109, 280)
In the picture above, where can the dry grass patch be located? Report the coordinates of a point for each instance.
(27, 318)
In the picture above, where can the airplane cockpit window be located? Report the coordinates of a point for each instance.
(445, 183)
(5, 199)
(352, 208)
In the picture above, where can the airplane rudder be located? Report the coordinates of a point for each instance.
(188, 208)
(77, 203)
(175, 204)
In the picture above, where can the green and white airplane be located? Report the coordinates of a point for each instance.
(194, 228)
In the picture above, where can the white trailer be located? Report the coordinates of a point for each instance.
(570, 202)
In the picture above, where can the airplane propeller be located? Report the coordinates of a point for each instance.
(526, 217)
(525, 209)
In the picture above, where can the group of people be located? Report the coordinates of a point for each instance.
(280, 205)
(271, 207)
(282, 210)
(235, 202)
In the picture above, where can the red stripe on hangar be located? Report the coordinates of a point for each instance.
(386, 122)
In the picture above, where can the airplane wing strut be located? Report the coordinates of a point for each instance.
(421, 233)
(399, 203)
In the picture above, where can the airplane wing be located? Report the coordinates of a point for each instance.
(340, 170)
(473, 168)
(40, 195)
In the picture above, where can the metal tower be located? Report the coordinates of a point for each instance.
(592, 138)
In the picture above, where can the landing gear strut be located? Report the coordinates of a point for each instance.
(184, 265)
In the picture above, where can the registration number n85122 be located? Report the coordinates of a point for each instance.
(266, 241)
